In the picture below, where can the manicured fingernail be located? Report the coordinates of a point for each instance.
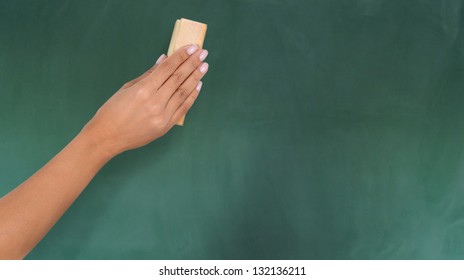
(204, 67)
(203, 54)
(199, 85)
(161, 58)
(192, 49)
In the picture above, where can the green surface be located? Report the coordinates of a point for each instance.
(325, 129)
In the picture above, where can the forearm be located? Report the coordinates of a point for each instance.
(30, 210)
(143, 110)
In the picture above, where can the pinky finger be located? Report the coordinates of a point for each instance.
(185, 107)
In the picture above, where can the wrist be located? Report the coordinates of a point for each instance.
(96, 147)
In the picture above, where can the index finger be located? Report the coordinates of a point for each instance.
(157, 78)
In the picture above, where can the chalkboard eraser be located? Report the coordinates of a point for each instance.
(186, 32)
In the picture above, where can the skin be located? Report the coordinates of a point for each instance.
(143, 110)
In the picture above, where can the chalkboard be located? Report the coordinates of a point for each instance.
(324, 130)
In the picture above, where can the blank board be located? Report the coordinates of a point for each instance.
(325, 129)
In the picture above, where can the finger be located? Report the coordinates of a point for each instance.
(144, 75)
(185, 107)
(168, 67)
(181, 94)
(180, 76)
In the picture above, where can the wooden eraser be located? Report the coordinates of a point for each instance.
(186, 32)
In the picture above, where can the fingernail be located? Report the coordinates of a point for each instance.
(161, 58)
(203, 54)
(192, 49)
(199, 85)
(204, 67)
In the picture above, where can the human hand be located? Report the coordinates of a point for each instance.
(147, 107)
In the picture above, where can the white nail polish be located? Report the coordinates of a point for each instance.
(199, 85)
(204, 67)
(160, 59)
(192, 49)
(203, 54)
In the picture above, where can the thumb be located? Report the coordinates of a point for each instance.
(148, 72)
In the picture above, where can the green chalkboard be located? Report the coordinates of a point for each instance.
(325, 129)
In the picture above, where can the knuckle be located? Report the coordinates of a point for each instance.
(158, 124)
(193, 63)
(185, 108)
(169, 66)
(192, 99)
(197, 75)
(182, 93)
(183, 55)
(178, 77)
(149, 71)
(143, 92)
(156, 108)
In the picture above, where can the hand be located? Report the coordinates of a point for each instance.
(147, 107)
